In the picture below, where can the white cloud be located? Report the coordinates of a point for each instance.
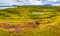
(10, 2)
(56, 4)
(30, 2)
(35, 2)
(52, 0)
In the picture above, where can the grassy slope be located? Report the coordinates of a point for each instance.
(25, 14)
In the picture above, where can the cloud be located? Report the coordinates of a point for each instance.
(30, 2)
(43, 2)
(10, 2)
(34, 2)
(52, 0)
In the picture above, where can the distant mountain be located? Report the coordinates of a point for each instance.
(47, 5)
(14, 5)
(8, 5)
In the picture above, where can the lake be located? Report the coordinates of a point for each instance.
(7, 7)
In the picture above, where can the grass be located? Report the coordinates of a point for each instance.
(26, 14)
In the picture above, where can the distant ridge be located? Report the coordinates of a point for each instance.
(25, 5)
(47, 5)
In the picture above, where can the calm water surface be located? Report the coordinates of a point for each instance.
(6, 7)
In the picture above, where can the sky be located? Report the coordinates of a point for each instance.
(29, 2)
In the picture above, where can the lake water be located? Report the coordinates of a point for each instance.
(6, 7)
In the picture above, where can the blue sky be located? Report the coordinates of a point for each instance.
(29, 2)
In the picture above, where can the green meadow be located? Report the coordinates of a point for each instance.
(48, 17)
